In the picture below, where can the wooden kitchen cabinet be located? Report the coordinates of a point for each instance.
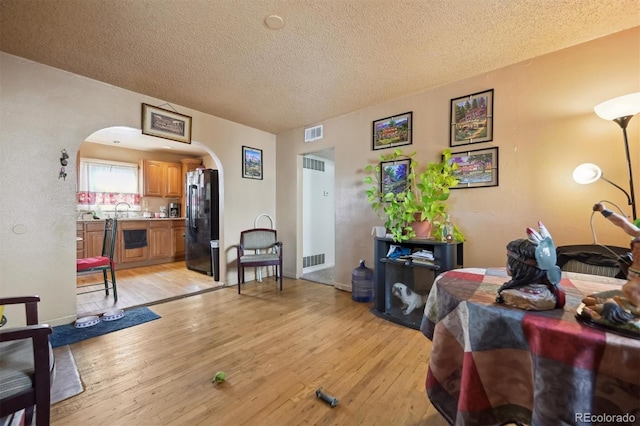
(173, 180)
(160, 179)
(93, 238)
(160, 239)
(164, 242)
(80, 241)
(178, 230)
(134, 254)
(152, 178)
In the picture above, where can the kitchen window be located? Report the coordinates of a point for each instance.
(102, 184)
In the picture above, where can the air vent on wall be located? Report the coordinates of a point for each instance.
(312, 164)
(316, 259)
(313, 133)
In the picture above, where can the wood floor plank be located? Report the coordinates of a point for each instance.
(142, 287)
(276, 347)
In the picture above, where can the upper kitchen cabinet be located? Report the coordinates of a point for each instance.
(188, 165)
(161, 179)
(174, 180)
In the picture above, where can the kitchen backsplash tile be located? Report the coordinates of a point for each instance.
(150, 204)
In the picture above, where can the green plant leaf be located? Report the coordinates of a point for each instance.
(425, 197)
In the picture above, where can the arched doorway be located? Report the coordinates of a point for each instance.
(147, 284)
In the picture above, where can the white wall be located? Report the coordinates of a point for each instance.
(44, 110)
(544, 126)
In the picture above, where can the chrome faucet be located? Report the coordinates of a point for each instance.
(116, 210)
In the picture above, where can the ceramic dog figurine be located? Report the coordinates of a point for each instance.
(410, 299)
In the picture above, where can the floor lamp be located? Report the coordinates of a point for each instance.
(620, 110)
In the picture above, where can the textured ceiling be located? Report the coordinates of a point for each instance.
(332, 56)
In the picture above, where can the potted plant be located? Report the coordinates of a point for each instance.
(423, 198)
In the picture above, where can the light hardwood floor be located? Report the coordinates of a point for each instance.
(276, 348)
(142, 287)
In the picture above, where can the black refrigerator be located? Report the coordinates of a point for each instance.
(202, 237)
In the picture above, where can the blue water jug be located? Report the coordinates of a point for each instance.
(362, 284)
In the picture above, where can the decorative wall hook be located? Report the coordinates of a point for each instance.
(63, 159)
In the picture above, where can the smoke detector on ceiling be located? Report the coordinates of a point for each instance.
(274, 22)
(313, 133)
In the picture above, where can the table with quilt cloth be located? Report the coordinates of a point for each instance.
(492, 364)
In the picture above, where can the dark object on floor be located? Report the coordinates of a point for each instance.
(332, 401)
(68, 334)
(26, 364)
(362, 284)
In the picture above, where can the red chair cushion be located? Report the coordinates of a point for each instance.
(91, 262)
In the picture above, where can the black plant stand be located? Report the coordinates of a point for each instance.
(418, 277)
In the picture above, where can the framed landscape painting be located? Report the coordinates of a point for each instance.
(393, 176)
(392, 131)
(476, 168)
(251, 163)
(471, 119)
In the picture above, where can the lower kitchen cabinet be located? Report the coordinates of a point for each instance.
(131, 255)
(160, 239)
(178, 230)
(164, 241)
(80, 240)
(93, 238)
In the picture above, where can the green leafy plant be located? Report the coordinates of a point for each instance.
(424, 197)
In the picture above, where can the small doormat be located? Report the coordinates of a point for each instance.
(68, 334)
(66, 382)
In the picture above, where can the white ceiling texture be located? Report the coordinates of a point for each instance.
(329, 58)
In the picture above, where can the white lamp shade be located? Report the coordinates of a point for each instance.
(619, 107)
(587, 173)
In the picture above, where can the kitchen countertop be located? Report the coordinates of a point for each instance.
(126, 219)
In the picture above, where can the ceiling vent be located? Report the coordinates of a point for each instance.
(313, 133)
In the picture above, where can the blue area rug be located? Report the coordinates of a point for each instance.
(68, 333)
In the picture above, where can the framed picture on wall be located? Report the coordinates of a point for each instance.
(165, 124)
(392, 131)
(476, 168)
(394, 176)
(251, 163)
(471, 119)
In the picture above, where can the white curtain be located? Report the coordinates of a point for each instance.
(105, 183)
(108, 176)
